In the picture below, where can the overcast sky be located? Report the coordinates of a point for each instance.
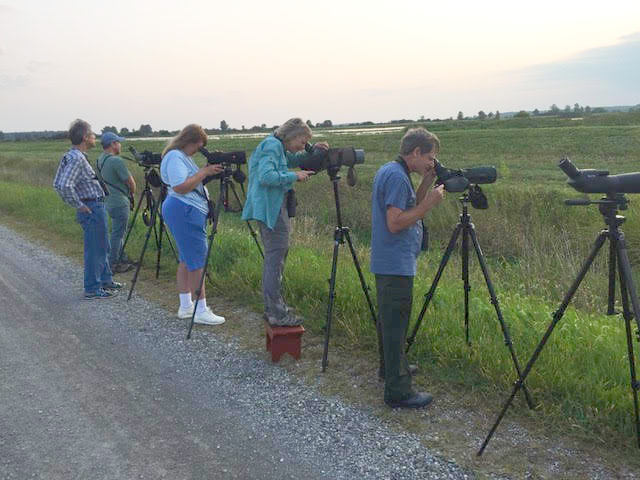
(168, 63)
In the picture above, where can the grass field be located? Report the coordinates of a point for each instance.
(534, 246)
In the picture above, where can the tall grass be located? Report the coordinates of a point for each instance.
(534, 246)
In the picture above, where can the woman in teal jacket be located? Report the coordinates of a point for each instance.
(270, 181)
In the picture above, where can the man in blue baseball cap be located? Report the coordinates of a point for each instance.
(112, 170)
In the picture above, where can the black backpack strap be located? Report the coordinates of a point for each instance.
(102, 178)
(425, 231)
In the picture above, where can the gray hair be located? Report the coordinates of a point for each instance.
(77, 130)
(293, 128)
(421, 138)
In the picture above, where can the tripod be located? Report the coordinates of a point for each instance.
(341, 232)
(214, 215)
(156, 212)
(151, 178)
(467, 229)
(608, 207)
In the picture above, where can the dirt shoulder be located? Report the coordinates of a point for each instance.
(524, 446)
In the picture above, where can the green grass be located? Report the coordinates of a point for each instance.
(533, 243)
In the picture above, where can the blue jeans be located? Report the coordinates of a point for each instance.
(119, 219)
(96, 247)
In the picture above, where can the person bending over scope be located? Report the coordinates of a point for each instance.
(270, 191)
(397, 236)
(185, 211)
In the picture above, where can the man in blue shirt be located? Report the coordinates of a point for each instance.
(396, 239)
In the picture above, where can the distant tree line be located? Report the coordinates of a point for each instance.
(553, 111)
(145, 130)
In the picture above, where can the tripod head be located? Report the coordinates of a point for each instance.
(152, 177)
(475, 196)
(608, 206)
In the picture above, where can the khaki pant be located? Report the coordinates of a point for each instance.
(276, 247)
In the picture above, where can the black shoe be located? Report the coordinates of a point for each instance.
(417, 400)
(413, 369)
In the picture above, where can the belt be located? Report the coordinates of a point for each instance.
(85, 200)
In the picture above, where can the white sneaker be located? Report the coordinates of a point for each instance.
(207, 317)
(185, 312)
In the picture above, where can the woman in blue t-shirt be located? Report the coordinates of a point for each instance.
(185, 212)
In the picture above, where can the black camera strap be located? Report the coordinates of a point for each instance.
(425, 232)
(210, 204)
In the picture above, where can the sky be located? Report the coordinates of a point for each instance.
(170, 63)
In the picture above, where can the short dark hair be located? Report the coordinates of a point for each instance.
(77, 131)
(419, 137)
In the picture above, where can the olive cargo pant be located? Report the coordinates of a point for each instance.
(395, 297)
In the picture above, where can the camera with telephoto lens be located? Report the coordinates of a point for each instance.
(599, 181)
(224, 158)
(146, 158)
(227, 160)
(458, 180)
(332, 160)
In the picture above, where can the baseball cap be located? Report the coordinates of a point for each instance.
(108, 138)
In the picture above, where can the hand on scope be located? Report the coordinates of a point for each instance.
(435, 195)
(211, 169)
(303, 175)
(322, 145)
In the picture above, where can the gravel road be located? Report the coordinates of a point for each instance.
(110, 389)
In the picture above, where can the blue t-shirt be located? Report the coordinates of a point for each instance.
(175, 168)
(393, 253)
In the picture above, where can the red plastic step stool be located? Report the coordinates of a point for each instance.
(281, 340)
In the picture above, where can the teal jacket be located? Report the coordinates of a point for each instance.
(269, 180)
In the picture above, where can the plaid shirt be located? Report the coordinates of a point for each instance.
(75, 179)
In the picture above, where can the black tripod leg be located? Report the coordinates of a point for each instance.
(214, 228)
(251, 230)
(556, 318)
(332, 288)
(434, 284)
(173, 249)
(154, 213)
(496, 305)
(160, 235)
(627, 288)
(155, 233)
(365, 290)
(204, 273)
(363, 282)
(612, 276)
(131, 224)
(465, 278)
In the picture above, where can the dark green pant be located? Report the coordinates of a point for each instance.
(395, 296)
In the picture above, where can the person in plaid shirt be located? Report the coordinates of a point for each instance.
(78, 186)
